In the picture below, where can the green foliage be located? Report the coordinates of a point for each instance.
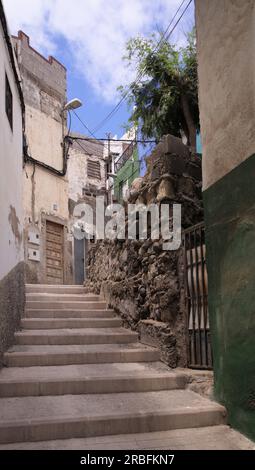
(165, 100)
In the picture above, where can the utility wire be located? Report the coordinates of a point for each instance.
(89, 151)
(178, 21)
(141, 73)
(138, 163)
(89, 139)
(86, 127)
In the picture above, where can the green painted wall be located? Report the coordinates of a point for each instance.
(129, 172)
(230, 231)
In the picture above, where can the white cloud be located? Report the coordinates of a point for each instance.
(95, 31)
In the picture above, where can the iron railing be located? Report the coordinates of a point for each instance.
(126, 155)
(196, 298)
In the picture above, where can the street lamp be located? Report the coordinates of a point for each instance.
(73, 104)
(70, 106)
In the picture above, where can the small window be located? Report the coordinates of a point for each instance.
(121, 184)
(8, 102)
(94, 170)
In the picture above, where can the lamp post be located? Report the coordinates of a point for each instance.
(70, 106)
(73, 104)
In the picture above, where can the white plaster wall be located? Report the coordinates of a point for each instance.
(226, 57)
(48, 190)
(77, 173)
(11, 159)
(44, 136)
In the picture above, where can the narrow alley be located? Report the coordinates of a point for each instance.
(127, 231)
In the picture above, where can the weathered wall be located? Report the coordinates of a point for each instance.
(141, 281)
(12, 304)
(225, 41)
(11, 217)
(225, 31)
(45, 194)
(79, 181)
(82, 186)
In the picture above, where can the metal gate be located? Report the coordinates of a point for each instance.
(196, 297)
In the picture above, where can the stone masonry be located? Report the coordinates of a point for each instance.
(143, 283)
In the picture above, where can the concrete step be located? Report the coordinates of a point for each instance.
(75, 416)
(28, 356)
(75, 336)
(87, 379)
(51, 323)
(64, 313)
(71, 305)
(219, 437)
(62, 297)
(55, 289)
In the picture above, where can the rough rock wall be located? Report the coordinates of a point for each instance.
(143, 283)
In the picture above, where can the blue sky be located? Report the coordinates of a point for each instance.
(89, 37)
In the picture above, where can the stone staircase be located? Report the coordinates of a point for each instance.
(75, 373)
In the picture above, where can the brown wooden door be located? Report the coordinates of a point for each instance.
(54, 253)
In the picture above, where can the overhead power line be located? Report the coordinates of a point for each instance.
(85, 126)
(178, 21)
(89, 150)
(141, 73)
(139, 141)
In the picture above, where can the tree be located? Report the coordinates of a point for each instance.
(164, 99)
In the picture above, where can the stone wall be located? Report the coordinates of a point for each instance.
(143, 283)
(12, 302)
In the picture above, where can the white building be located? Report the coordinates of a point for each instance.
(11, 216)
(113, 151)
(45, 200)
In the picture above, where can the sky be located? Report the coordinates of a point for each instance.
(89, 38)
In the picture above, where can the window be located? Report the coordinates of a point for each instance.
(8, 102)
(94, 170)
(121, 191)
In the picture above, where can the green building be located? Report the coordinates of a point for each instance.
(127, 169)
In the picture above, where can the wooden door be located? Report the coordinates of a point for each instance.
(54, 253)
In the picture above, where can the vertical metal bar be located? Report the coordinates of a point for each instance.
(199, 348)
(192, 298)
(198, 300)
(187, 298)
(203, 267)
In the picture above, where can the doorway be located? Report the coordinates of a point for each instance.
(79, 261)
(54, 253)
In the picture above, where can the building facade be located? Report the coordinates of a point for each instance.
(12, 273)
(46, 239)
(123, 166)
(86, 181)
(225, 41)
(127, 169)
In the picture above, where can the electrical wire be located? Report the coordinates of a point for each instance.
(89, 151)
(178, 21)
(141, 161)
(85, 126)
(88, 139)
(141, 73)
